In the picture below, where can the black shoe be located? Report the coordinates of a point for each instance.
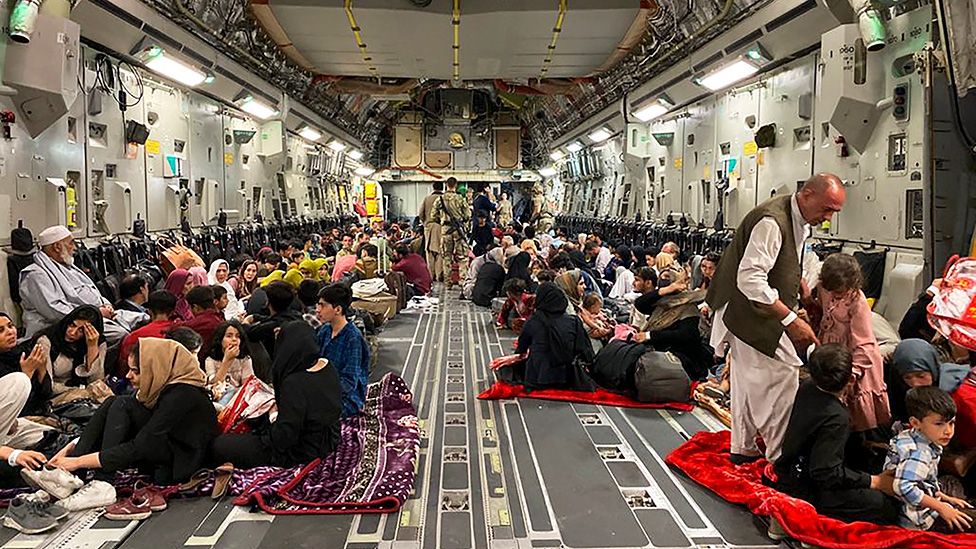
(741, 459)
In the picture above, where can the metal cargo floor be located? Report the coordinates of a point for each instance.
(506, 474)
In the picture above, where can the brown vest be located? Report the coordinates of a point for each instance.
(748, 321)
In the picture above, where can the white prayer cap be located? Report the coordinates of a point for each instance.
(53, 234)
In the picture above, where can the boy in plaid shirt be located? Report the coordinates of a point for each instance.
(914, 455)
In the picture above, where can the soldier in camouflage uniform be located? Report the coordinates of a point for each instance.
(454, 215)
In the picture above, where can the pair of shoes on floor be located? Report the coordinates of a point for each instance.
(55, 481)
(145, 499)
(33, 513)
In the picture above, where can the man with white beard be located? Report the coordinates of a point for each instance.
(53, 287)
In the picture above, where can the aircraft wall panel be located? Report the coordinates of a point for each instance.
(736, 120)
(698, 166)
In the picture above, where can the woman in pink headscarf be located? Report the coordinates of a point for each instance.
(200, 276)
(178, 283)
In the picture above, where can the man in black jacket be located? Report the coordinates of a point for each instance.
(281, 297)
(134, 292)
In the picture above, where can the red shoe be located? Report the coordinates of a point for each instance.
(157, 501)
(132, 508)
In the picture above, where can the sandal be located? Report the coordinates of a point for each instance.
(222, 476)
(198, 478)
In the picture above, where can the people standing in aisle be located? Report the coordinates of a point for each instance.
(454, 216)
(505, 214)
(484, 203)
(432, 230)
(754, 293)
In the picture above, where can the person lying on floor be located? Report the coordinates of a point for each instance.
(813, 465)
(343, 345)
(309, 400)
(913, 457)
(227, 363)
(557, 344)
(672, 323)
(76, 350)
(165, 428)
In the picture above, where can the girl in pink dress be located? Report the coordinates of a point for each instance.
(846, 320)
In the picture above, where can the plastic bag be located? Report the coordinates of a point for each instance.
(953, 311)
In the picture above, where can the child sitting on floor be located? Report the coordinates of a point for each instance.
(812, 466)
(598, 326)
(518, 306)
(913, 456)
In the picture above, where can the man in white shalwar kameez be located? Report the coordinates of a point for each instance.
(754, 295)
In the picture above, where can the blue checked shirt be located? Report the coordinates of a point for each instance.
(348, 353)
(915, 460)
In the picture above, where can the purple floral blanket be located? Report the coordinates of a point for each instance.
(371, 471)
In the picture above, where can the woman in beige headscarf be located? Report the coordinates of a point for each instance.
(571, 283)
(664, 262)
(167, 426)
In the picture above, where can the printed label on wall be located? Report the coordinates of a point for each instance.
(678, 162)
(750, 148)
(152, 146)
(228, 158)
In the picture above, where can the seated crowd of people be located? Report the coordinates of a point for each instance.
(89, 388)
(871, 434)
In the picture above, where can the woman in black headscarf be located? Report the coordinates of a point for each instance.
(309, 400)
(640, 258)
(518, 268)
(77, 349)
(557, 344)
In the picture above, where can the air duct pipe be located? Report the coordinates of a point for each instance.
(870, 23)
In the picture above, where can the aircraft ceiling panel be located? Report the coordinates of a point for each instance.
(495, 43)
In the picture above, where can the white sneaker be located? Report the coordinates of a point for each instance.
(53, 480)
(95, 494)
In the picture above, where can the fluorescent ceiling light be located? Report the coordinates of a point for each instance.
(355, 154)
(557, 155)
(364, 171)
(310, 133)
(651, 112)
(574, 147)
(547, 171)
(174, 69)
(601, 134)
(724, 77)
(258, 108)
(337, 145)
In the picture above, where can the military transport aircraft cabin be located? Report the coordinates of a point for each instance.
(452, 274)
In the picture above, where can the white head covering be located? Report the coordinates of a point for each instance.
(53, 234)
(212, 275)
(624, 283)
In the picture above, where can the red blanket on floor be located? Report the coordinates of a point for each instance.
(704, 458)
(603, 397)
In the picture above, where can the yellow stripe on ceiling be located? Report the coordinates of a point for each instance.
(456, 23)
(555, 37)
(357, 32)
